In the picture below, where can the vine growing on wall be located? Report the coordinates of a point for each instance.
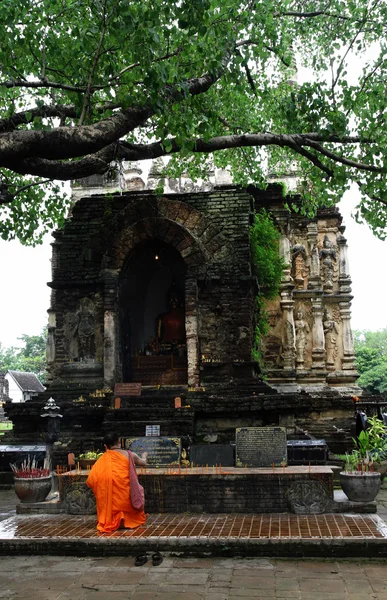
(267, 266)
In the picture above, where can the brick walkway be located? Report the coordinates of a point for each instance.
(225, 527)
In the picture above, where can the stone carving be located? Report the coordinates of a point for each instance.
(309, 498)
(302, 331)
(330, 331)
(299, 264)
(314, 262)
(85, 329)
(328, 260)
(80, 331)
(80, 500)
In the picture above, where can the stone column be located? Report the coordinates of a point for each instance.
(344, 275)
(191, 331)
(289, 337)
(318, 348)
(111, 365)
(348, 359)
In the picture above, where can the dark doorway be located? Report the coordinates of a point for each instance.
(152, 316)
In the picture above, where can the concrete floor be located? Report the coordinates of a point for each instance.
(115, 578)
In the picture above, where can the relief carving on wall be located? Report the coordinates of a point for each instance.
(299, 268)
(272, 343)
(302, 332)
(309, 497)
(331, 332)
(328, 260)
(80, 331)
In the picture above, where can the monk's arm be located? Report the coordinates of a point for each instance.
(141, 462)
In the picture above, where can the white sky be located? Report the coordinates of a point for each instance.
(25, 271)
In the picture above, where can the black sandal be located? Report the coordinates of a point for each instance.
(141, 559)
(157, 559)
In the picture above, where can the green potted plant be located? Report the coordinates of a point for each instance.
(32, 483)
(361, 478)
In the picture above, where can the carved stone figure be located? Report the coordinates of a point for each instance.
(328, 259)
(299, 259)
(330, 331)
(85, 329)
(302, 331)
(314, 262)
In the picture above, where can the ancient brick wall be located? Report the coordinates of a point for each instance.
(211, 233)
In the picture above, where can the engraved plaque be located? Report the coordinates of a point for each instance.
(127, 389)
(162, 451)
(260, 446)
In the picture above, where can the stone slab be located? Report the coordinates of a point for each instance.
(212, 454)
(260, 446)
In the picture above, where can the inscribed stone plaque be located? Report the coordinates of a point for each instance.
(127, 389)
(212, 454)
(162, 451)
(260, 446)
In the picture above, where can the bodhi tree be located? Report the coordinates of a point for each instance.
(87, 84)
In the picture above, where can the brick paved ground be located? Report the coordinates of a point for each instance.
(66, 578)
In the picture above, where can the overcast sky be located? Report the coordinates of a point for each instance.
(25, 297)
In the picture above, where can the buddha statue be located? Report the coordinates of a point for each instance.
(170, 327)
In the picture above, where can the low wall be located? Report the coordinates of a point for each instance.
(305, 490)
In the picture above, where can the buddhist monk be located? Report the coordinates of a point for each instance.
(110, 481)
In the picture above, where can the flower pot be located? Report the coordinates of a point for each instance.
(360, 487)
(32, 489)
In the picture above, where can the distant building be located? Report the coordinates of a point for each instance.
(22, 386)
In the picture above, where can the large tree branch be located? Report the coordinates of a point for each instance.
(70, 142)
(98, 163)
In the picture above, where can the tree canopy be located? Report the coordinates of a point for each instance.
(30, 358)
(371, 360)
(88, 83)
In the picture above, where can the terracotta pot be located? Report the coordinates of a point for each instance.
(32, 490)
(360, 487)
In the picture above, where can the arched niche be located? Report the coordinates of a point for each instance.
(151, 315)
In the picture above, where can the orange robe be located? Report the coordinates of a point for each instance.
(109, 480)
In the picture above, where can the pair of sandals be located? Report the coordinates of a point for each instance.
(141, 559)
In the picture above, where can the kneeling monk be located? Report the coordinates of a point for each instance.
(110, 481)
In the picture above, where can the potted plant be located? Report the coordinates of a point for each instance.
(360, 480)
(32, 483)
(87, 459)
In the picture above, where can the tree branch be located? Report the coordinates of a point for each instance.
(98, 162)
(345, 161)
(41, 83)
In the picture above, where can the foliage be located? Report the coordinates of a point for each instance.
(268, 267)
(90, 455)
(31, 358)
(371, 360)
(371, 447)
(84, 83)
